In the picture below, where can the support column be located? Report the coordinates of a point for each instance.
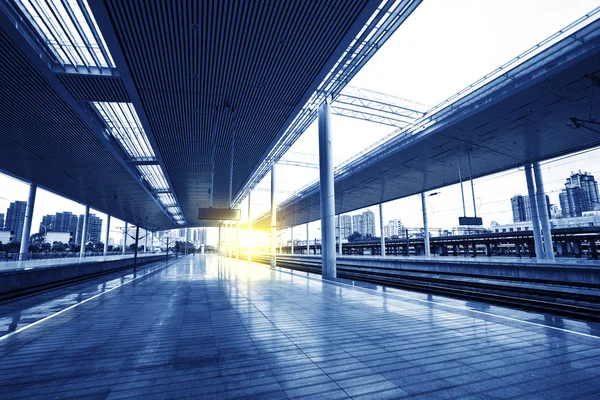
(425, 225)
(219, 241)
(307, 241)
(535, 220)
(125, 238)
(228, 228)
(146, 241)
(577, 248)
(292, 239)
(273, 219)
(327, 194)
(543, 211)
(381, 230)
(24, 249)
(86, 218)
(249, 229)
(167, 255)
(593, 248)
(237, 240)
(106, 235)
(135, 250)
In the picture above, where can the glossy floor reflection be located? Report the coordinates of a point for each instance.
(206, 327)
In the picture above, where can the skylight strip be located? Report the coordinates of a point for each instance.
(125, 126)
(167, 199)
(68, 30)
(100, 44)
(71, 42)
(155, 176)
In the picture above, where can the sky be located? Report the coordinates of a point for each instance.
(440, 49)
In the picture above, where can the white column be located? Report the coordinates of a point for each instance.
(543, 211)
(24, 249)
(86, 218)
(307, 241)
(226, 240)
(219, 244)
(106, 235)
(146, 241)
(237, 240)
(125, 238)
(381, 230)
(535, 220)
(327, 194)
(292, 239)
(230, 239)
(249, 230)
(273, 218)
(425, 226)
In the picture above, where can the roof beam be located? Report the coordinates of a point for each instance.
(13, 30)
(110, 36)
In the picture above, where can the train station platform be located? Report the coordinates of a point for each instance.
(20, 277)
(209, 327)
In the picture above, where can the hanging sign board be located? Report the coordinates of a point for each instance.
(470, 221)
(225, 214)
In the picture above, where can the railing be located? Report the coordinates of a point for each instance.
(72, 255)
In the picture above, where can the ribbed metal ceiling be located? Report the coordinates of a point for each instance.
(209, 71)
(44, 140)
(223, 75)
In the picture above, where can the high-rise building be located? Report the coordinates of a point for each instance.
(522, 211)
(1, 222)
(345, 226)
(369, 223)
(66, 221)
(364, 223)
(47, 224)
(394, 228)
(94, 229)
(15, 217)
(59, 222)
(580, 194)
(356, 223)
(520, 208)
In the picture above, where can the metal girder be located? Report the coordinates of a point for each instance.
(382, 108)
(143, 161)
(298, 159)
(297, 164)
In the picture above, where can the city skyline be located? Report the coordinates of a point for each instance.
(534, 21)
(554, 188)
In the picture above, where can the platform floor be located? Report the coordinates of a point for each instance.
(207, 327)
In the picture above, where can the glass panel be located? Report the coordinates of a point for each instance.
(64, 27)
(125, 126)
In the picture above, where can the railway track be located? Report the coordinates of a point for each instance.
(582, 302)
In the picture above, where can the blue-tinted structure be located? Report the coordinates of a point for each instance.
(167, 114)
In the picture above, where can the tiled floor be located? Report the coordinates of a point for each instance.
(205, 327)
